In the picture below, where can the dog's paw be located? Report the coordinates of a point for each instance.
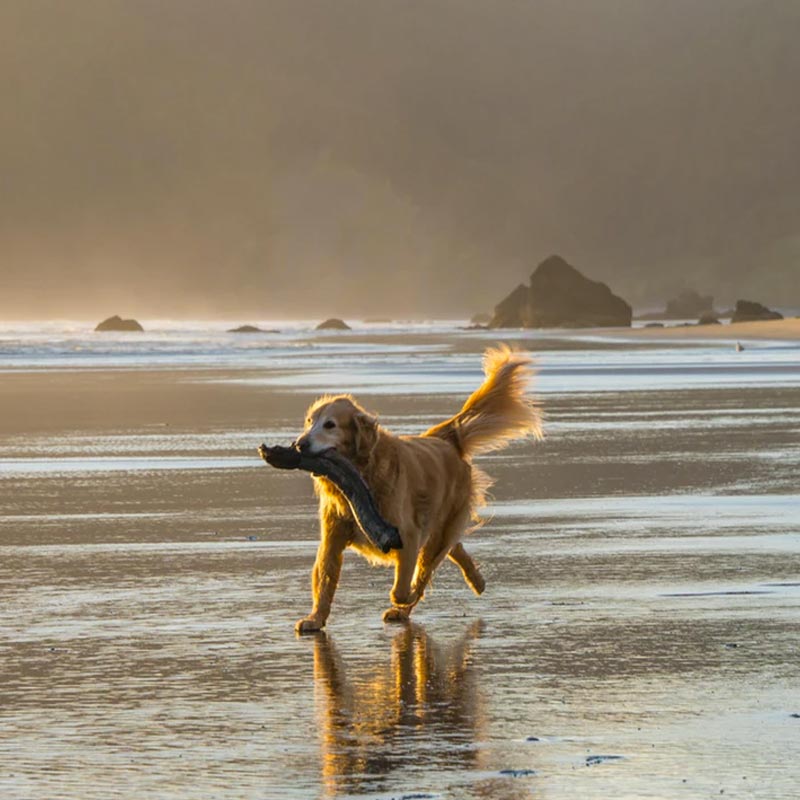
(308, 625)
(478, 583)
(395, 614)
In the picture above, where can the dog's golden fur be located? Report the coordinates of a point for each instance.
(425, 485)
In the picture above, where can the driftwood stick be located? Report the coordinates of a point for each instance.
(343, 473)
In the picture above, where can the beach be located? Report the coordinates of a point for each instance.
(779, 329)
(637, 637)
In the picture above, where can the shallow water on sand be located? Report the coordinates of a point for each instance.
(637, 639)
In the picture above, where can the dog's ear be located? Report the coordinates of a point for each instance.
(365, 435)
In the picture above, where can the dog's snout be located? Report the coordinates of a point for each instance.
(303, 445)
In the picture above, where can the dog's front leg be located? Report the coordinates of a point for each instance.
(403, 597)
(336, 533)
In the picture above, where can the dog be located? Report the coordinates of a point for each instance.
(425, 485)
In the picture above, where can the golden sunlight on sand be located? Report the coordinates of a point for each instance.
(772, 329)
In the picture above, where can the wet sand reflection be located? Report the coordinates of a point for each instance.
(421, 709)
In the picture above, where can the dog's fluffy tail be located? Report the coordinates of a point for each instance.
(498, 411)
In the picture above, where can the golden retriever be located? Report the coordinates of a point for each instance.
(425, 485)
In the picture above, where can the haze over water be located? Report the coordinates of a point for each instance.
(200, 158)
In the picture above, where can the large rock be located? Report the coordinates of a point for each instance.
(333, 324)
(116, 323)
(748, 311)
(561, 297)
(513, 311)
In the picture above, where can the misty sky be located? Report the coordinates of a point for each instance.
(368, 157)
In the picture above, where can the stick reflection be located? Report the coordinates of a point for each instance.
(420, 710)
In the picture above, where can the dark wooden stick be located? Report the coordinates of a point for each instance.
(343, 473)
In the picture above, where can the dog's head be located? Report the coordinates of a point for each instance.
(339, 423)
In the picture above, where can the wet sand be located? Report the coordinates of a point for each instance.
(638, 636)
(786, 329)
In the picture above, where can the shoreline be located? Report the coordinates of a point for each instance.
(785, 329)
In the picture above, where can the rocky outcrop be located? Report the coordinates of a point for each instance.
(116, 323)
(688, 304)
(749, 311)
(561, 297)
(708, 318)
(513, 311)
(333, 324)
(251, 329)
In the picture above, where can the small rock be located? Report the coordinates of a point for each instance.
(333, 324)
(592, 760)
(415, 796)
(251, 329)
(517, 773)
(116, 323)
(749, 311)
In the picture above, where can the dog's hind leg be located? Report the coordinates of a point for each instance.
(469, 569)
(426, 566)
(430, 558)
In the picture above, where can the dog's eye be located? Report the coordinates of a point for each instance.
(329, 424)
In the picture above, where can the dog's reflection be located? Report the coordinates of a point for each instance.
(420, 709)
